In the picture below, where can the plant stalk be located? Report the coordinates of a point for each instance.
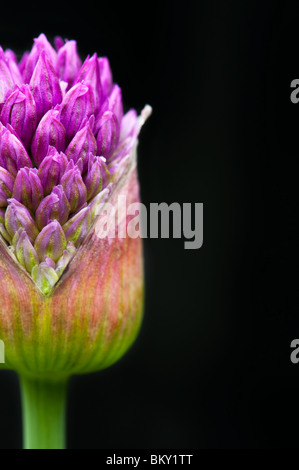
(44, 409)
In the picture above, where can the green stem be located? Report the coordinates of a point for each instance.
(43, 403)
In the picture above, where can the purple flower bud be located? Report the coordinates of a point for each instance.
(49, 262)
(54, 206)
(68, 62)
(75, 106)
(89, 74)
(45, 277)
(6, 79)
(65, 258)
(19, 111)
(58, 42)
(107, 129)
(6, 186)
(23, 62)
(13, 66)
(25, 252)
(97, 176)
(77, 227)
(114, 103)
(50, 241)
(106, 76)
(51, 170)
(82, 145)
(13, 155)
(50, 132)
(30, 60)
(74, 188)
(45, 86)
(28, 188)
(18, 216)
(71, 165)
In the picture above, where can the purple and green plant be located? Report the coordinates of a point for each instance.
(71, 300)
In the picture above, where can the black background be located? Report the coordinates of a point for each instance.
(211, 367)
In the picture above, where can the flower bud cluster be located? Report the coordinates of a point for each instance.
(62, 137)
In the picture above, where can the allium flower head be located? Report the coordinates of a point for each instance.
(63, 137)
(71, 300)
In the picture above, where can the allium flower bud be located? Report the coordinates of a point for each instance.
(67, 255)
(76, 106)
(6, 186)
(64, 277)
(106, 76)
(89, 74)
(50, 132)
(25, 252)
(20, 112)
(97, 176)
(6, 79)
(51, 170)
(45, 86)
(13, 155)
(13, 66)
(45, 277)
(18, 216)
(54, 206)
(50, 241)
(68, 62)
(28, 188)
(78, 226)
(82, 145)
(74, 188)
(107, 128)
(30, 60)
(114, 103)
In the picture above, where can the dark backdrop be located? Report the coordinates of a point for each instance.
(211, 367)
